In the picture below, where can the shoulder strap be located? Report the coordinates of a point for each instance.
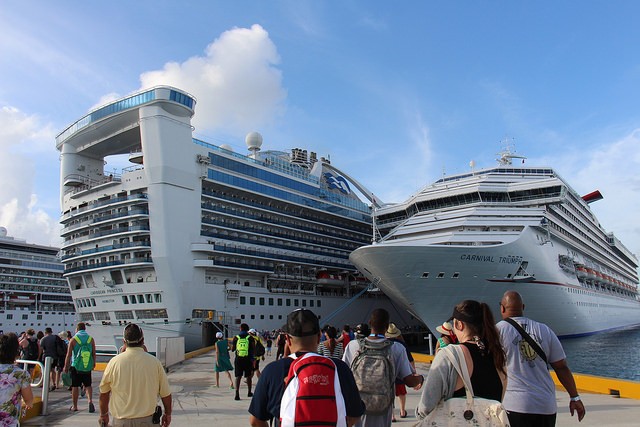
(534, 345)
(456, 356)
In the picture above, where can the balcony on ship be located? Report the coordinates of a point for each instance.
(108, 265)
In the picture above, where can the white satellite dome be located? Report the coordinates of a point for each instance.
(226, 147)
(3, 232)
(253, 141)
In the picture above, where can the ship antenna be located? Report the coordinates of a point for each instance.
(374, 227)
(508, 153)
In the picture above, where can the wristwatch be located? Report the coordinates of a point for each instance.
(575, 398)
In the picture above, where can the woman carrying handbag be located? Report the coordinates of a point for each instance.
(480, 356)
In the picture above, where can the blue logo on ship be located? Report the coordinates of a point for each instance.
(337, 183)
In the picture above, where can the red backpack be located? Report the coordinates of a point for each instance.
(312, 395)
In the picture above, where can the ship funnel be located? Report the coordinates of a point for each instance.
(594, 196)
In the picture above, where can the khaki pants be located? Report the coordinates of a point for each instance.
(133, 422)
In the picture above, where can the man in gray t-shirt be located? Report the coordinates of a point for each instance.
(530, 398)
(379, 323)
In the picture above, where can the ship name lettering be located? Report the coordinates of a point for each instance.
(510, 259)
(482, 258)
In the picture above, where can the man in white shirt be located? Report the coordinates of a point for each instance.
(530, 398)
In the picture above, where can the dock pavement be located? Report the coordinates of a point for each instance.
(198, 403)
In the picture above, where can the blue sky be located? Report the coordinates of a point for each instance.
(396, 93)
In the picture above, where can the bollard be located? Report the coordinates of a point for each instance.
(45, 383)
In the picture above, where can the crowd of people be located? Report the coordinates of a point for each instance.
(507, 362)
(365, 368)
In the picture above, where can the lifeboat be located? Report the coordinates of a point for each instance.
(591, 274)
(136, 157)
(358, 281)
(22, 299)
(326, 278)
(581, 271)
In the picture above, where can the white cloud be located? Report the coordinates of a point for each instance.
(106, 99)
(236, 82)
(408, 165)
(25, 144)
(611, 167)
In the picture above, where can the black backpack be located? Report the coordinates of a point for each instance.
(61, 348)
(259, 348)
(31, 352)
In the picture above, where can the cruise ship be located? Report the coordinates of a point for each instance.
(477, 234)
(193, 238)
(34, 293)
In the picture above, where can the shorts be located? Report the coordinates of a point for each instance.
(401, 390)
(133, 422)
(243, 367)
(54, 362)
(79, 378)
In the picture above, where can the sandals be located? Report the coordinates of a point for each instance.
(72, 409)
(403, 416)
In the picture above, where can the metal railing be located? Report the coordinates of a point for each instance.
(44, 379)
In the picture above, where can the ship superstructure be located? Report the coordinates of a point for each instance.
(33, 292)
(477, 234)
(193, 237)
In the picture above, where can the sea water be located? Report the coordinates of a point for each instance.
(606, 354)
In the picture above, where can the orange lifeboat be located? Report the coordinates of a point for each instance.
(326, 278)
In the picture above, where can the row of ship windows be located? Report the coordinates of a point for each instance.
(262, 316)
(579, 231)
(472, 198)
(124, 315)
(294, 198)
(142, 299)
(292, 228)
(126, 299)
(440, 275)
(283, 208)
(31, 325)
(299, 238)
(21, 255)
(280, 301)
(37, 288)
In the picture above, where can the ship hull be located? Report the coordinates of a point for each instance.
(197, 332)
(430, 279)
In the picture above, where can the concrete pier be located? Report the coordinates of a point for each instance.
(198, 403)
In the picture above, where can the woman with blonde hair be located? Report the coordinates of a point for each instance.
(475, 329)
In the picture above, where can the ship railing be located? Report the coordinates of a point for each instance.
(137, 260)
(119, 230)
(97, 204)
(137, 243)
(89, 183)
(271, 220)
(106, 351)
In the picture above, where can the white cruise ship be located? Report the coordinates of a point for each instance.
(34, 293)
(193, 238)
(478, 234)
